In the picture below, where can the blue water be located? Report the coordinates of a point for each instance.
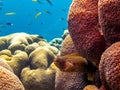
(50, 24)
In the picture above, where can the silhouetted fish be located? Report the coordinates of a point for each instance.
(48, 12)
(49, 2)
(9, 24)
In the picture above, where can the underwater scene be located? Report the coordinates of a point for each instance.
(60, 45)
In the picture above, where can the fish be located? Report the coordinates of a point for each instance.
(38, 14)
(48, 12)
(37, 1)
(49, 2)
(34, 0)
(61, 19)
(9, 24)
(10, 13)
(71, 62)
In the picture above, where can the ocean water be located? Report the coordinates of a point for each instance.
(34, 17)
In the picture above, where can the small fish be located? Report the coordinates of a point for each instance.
(61, 19)
(71, 62)
(48, 12)
(10, 13)
(63, 10)
(9, 24)
(34, 0)
(49, 2)
(38, 14)
(37, 1)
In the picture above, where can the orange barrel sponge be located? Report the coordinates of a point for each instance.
(67, 46)
(68, 80)
(109, 67)
(9, 81)
(84, 29)
(109, 17)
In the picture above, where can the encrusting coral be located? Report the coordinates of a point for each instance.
(109, 67)
(30, 57)
(9, 81)
(109, 18)
(42, 57)
(84, 29)
(40, 73)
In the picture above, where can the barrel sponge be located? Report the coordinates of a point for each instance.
(83, 28)
(41, 57)
(4, 64)
(109, 17)
(9, 81)
(109, 67)
(18, 61)
(67, 46)
(70, 81)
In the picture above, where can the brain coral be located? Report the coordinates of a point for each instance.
(9, 81)
(109, 67)
(40, 73)
(109, 17)
(83, 28)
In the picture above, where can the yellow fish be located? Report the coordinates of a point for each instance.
(10, 13)
(38, 14)
(34, 0)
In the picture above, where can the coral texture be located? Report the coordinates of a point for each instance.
(72, 80)
(4, 64)
(84, 30)
(109, 17)
(109, 67)
(9, 81)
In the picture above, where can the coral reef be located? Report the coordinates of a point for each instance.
(40, 73)
(109, 17)
(73, 68)
(30, 57)
(9, 81)
(84, 29)
(4, 64)
(109, 67)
